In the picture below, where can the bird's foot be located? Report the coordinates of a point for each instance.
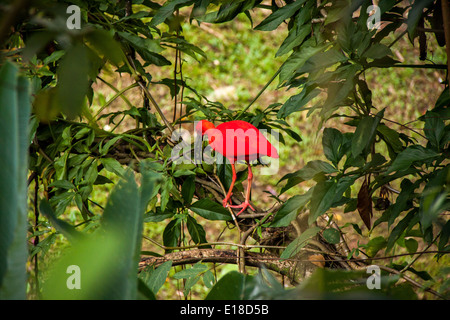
(225, 201)
(244, 205)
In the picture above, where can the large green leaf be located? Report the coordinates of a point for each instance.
(326, 193)
(155, 278)
(230, 287)
(365, 133)
(309, 171)
(434, 129)
(295, 37)
(297, 102)
(325, 284)
(289, 209)
(279, 15)
(228, 11)
(167, 10)
(403, 199)
(333, 145)
(210, 210)
(73, 80)
(398, 230)
(62, 226)
(15, 112)
(105, 44)
(108, 259)
(414, 16)
(435, 197)
(196, 230)
(172, 233)
(377, 51)
(410, 155)
(297, 59)
(295, 246)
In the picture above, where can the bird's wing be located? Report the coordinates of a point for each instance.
(242, 140)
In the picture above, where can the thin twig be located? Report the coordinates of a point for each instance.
(446, 19)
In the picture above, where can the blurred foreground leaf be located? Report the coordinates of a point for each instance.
(108, 259)
(15, 111)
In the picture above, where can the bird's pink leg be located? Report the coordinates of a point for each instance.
(246, 203)
(233, 180)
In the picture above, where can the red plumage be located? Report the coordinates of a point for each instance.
(237, 140)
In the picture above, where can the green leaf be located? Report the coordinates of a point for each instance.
(123, 214)
(210, 210)
(398, 230)
(155, 279)
(183, 172)
(332, 235)
(410, 155)
(15, 114)
(277, 17)
(434, 129)
(73, 80)
(224, 172)
(326, 193)
(434, 197)
(109, 258)
(403, 201)
(310, 170)
(193, 271)
(295, 246)
(196, 231)
(98, 260)
(297, 59)
(104, 42)
(157, 215)
(294, 38)
(91, 173)
(229, 287)
(444, 236)
(62, 226)
(208, 279)
(323, 60)
(188, 189)
(414, 16)
(172, 233)
(140, 43)
(332, 141)
(167, 10)
(188, 48)
(340, 89)
(229, 10)
(297, 102)
(192, 276)
(411, 245)
(144, 291)
(289, 210)
(375, 245)
(104, 149)
(377, 51)
(365, 133)
(112, 165)
(391, 138)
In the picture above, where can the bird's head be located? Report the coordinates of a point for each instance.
(203, 126)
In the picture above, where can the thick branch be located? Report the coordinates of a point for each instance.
(252, 259)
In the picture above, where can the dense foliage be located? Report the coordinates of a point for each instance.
(50, 74)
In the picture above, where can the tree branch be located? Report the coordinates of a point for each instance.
(252, 259)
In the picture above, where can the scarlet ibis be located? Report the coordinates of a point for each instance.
(237, 140)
